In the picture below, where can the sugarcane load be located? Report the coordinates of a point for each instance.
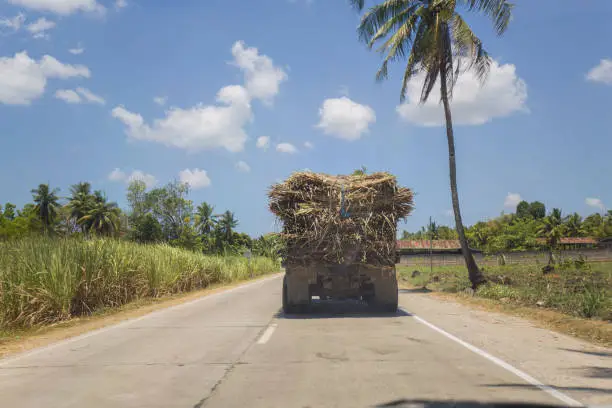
(340, 235)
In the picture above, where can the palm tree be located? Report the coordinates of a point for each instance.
(227, 223)
(102, 217)
(436, 40)
(47, 205)
(80, 201)
(205, 221)
(573, 225)
(552, 229)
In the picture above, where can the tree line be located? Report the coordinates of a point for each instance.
(529, 227)
(159, 215)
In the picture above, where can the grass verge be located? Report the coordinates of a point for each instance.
(46, 281)
(18, 340)
(576, 299)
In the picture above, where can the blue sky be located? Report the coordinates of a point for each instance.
(79, 78)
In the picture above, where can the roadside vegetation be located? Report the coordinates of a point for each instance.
(46, 280)
(528, 228)
(576, 288)
(62, 257)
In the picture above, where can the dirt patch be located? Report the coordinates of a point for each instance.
(595, 331)
(18, 341)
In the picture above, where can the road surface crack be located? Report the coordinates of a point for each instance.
(227, 373)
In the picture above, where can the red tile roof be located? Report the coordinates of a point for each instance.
(424, 244)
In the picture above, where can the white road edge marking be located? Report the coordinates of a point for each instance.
(501, 363)
(267, 334)
(128, 322)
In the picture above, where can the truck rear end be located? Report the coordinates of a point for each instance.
(340, 235)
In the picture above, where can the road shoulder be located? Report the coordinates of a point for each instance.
(572, 366)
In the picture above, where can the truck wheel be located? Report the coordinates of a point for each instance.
(386, 296)
(288, 307)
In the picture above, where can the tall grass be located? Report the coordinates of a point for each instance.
(43, 280)
(575, 288)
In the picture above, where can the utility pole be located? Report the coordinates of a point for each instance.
(430, 246)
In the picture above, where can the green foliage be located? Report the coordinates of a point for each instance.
(537, 210)
(46, 280)
(576, 288)
(360, 172)
(523, 210)
(9, 212)
(520, 231)
(172, 209)
(270, 246)
(47, 206)
(146, 229)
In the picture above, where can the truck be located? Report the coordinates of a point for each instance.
(340, 238)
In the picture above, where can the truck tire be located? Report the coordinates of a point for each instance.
(288, 307)
(386, 296)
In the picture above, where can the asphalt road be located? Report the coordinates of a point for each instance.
(236, 349)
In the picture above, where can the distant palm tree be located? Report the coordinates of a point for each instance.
(435, 40)
(205, 221)
(573, 225)
(552, 230)
(227, 222)
(80, 201)
(47, 205)
(103, 216)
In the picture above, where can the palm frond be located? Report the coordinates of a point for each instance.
(499, 11)
(469, 47)
(378, 23)
(380, 14)
(357, 4)
(398, 44)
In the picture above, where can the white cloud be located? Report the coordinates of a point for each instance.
(52, 68)
(80, 95)
(14, 23)
(77, 50)
(68, 96)
(601, 72)
(210, 126)
(243, 167)
(195, 178)
(119, 175)
(595, 202)
(262, 78)
(263, 142)
(62, 7)
(148, 179)
(345, 119)
(23, 79)
(308, 145)
(119, 4)
(160, 100)
(473, 103)
(39, 28)
(197, 128)
(90, 96)
(286, 148)
(512, 200)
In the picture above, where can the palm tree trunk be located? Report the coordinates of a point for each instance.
(474, 273)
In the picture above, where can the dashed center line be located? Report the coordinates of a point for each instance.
(267, 334)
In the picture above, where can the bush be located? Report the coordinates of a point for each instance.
(45, 280)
